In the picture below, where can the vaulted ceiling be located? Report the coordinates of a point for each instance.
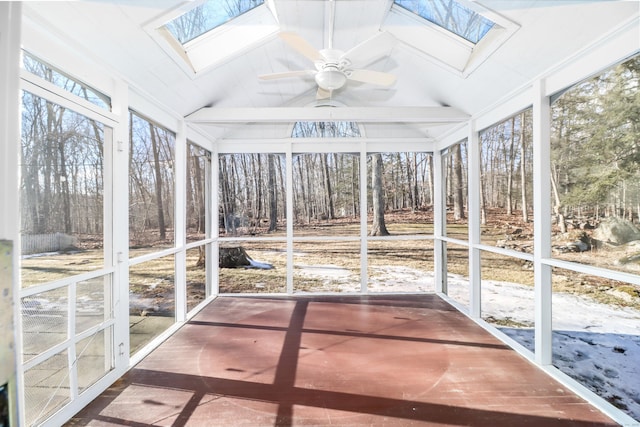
(432, 69)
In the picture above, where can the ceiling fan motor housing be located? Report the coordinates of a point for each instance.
(330, 75)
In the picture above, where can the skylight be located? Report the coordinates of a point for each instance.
(450, 15)
(209, 15)
(202, 34)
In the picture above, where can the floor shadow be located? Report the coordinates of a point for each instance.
(284, 393)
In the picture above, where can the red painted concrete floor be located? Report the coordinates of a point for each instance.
(336, 361)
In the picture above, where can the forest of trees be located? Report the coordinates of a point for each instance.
(62, 162)
(326, 186)
(151, 182)
(506, 165)
(596, 146)
(595, 158)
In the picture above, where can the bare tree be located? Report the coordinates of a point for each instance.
(458, 199)
(273, 202)
(162, 228)
(378, 228)
(523, 170)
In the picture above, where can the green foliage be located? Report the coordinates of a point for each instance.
(596, 139)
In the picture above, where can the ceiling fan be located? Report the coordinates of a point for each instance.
(334, 67)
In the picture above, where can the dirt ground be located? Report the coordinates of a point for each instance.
(151, 283)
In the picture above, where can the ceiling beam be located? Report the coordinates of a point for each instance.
(213, 115)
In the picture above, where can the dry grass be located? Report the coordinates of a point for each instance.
(152, 281)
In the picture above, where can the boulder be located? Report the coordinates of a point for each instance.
(617, 231)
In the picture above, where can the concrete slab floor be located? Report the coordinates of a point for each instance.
(402, 360)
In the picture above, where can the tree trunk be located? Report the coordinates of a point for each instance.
(355, 178)
(557, 206)
(378, 227)
(259, 186)
(458, 199)
(483, 207)
(416, 192)
(273, 203)
(510, 167)
(226, 198)
(327, 186)
(523, 170)
(158, 174)
(430, 180)
(233, 257)
(64, 184)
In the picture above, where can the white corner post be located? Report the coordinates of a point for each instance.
(213, 286)
(474, 221)
(120, 217)
(10, 20)
(181, 222)
(542, 223)
(289, 187)
(439, 253)
(364, 262)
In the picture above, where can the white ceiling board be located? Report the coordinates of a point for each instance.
(437, 115)
(113, 33)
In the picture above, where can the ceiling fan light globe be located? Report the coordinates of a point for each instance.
(331, 79)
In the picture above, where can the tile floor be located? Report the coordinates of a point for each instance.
(336, 361)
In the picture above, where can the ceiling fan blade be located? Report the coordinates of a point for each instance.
(373, 77)
(286, 74)
(301, 45)
(323, 94)
(370, 49)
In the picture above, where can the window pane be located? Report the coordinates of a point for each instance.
(457, 273)
(596, 333)
(93, 302)
(208, 16)
(507, 183)
(451, 16)
(400, 190)
(252, 266)
(151, 300)
(507, 299)
(326, 266)
(94, 358)
(44, 321)
(455, 178)
(58, 78)
(46, 388)
(400, 266)
(197, 192)
(325, 130)
(326, 194)
(196, 276)
(252, 194)
(595, 170)
(61, 192)
(151, 187)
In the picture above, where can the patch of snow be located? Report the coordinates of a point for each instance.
(399, 279)
(323, 271)
(259, 264)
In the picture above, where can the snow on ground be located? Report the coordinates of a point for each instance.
(596, 344)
